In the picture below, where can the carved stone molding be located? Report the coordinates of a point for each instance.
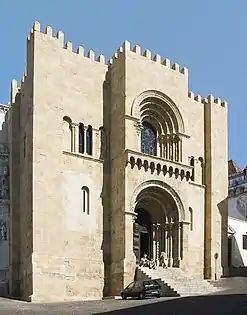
(168, 189)
(138, 127)
(3, 231)
(160, 97)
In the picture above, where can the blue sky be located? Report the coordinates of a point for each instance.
(209, 37)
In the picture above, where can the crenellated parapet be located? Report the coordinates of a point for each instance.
(208, 100)
(156, 58)
(126, 47)
(66, 45)
(15, 88)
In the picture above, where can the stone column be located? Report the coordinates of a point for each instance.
(158, 232)
(73, 137)
(171, 242)
(170, 149)
(159, 146)
(76, 138)
(162, 243)
(180, 157)
(179, 243)
(85, 139)
(167, 149)
(95, 143)
(154, 240)
(166, 239)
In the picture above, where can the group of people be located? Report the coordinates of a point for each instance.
(150, 263)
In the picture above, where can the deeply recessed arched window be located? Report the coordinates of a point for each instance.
(81, 138)
(148, 139)
(85, 200)
(191, 218)
(192, 163)
(89, 140)
(68, 135)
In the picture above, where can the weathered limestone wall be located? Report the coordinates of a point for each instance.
(14, 162)
(26, 175)
(117, 188)
(71, 267)
(216, 135)
(195, 257)
(5, 269)
(217, 114)
(171, 81)
(21, 152)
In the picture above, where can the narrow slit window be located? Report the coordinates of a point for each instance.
(191, 219)
(192, 163)
(81, 138)
(89, 139)
(85, 200)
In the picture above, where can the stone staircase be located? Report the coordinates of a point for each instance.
(175, 282)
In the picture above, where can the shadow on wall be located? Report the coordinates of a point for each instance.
(105, 193)
(237, 260)
(203, 305)
(4, 197)
(223, 209)
(21, 199)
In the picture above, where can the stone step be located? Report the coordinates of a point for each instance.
(179, 282)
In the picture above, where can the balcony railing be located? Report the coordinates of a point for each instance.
(158, 165)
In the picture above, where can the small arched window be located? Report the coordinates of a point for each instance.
(148, 139)
(191, 218)
(192, 163)
(81, 138)
(85, 200)
(202, 170)
(89, 135)
(68, 137)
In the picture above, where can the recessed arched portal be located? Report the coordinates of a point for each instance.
(158, 225)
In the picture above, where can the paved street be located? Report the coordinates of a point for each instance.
(218, 304)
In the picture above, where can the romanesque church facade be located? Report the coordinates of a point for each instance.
(108, 162)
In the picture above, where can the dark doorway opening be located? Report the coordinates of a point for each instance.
(145, 244)
(229, 251)
(142, 234)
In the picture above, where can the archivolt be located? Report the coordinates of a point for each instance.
(160, 108)
(166, 190)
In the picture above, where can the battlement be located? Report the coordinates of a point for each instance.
(126, 47)
(66, 45)
(208, 100)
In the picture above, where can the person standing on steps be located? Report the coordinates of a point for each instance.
(163, 259)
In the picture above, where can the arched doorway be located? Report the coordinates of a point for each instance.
(142, 233)
(157, 226)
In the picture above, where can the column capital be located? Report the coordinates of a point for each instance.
(132, 214)
(184, 223)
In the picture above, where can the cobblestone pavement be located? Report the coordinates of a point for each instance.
(217, 304)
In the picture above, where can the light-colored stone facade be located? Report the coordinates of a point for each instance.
(4, 202)
(77, 189)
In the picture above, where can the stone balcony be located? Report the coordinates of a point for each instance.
(157, 165)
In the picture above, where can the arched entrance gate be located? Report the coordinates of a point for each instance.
(158, 226)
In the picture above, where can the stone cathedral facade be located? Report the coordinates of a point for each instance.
(108, 162)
